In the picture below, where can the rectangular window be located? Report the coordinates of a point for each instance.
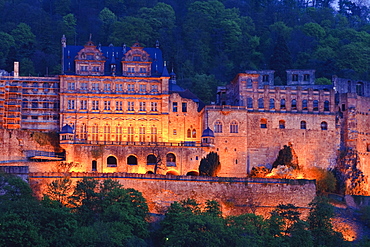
(83, 68)
(119, 87)
(95, 69)
(154, 88)
(118, 105)
(130, 106)
(71, 104)
(294, 77)
(107, 105)
(142, 106)
(107, 87)
(83, 104)
(71, 86)
(83, 86)
(265, 78)
(131, 87)
(174, 132)
(153, 106)
(174, 106)
(184, 107)
(142, 88)
(306, 77)
(95, 86)
(95, 105)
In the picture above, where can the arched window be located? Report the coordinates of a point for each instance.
(218, 127)
(234, 127)
(263, 123)
(188, 133)
(25, 103)
(170, 159)
(304, 104)
(324, 126)
(192, 173)
(94, 166)
(326, 105)
(294, 104)
(272, 104)
(111, 161)
(360, 89)
(132, 160)
(260, 103)
(249, 103)
(282, 104)
(315, 105)
(151, 159)
(194, 133)
(35, 104)
(303, 125)
(281, 124)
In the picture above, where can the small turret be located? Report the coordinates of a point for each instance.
(208, 137)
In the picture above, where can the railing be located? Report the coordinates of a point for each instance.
(37, 153)
(126, 143)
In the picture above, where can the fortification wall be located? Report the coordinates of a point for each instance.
(236, 195)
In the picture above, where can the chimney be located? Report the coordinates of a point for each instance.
(16, 69)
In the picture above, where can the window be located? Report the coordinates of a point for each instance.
(96, 68)
(154, 88)
(35, 117)
(260, 103)
(136, 58)
(45, 85)
(95, 86)
(294, 77)
(107, 105)
(303, 125)
(131, 160)
(131, 69)
(304, 104)
(130, 106)
(94, 166)
(184, 107)
(142, 106)
(170, 159)
(107, 86)
(142, 70)
(83, 104)
(306, 77)
(95, 105)
(265, 78)
(130, 87)
(83, 86)
(194, 134)
(83, 131)
(119, 133)
(234, 127)
(188, 133)
(111, 161)
(35, 104)
(174, 106)
(95, 131)
(294, 104)
(324, 126)
(83, 68)
(249, 83)
(315, 105)
(249, 103)
(218, 127)
(71, 86)
(153, 134)
(272, 104)
(281, 124)
(360, 89)
(263, 123)
(130, 134)
(153, 106)
(45, 104)
(25, 103)
(326, 105)
(90, 57)
(282, 104)
(118, 105)
(151, 159)
(142, 134)
(71, 104)
(106, 132)
(119, 87)
(174, 132)
(142, 88)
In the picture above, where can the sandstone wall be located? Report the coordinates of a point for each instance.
(236, 195)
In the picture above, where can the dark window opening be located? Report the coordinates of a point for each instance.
(315, 105)
(111, 161)
(131, 160)
(324, 126)
(170, 159)
(151, 159)
(303, 125)
(94, 166)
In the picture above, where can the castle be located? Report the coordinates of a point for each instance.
(118, 109)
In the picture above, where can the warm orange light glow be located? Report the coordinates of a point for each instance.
(348, 229)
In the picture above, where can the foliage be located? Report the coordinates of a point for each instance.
(60, 190)
(210, 165)
(365, 215)
(325, 179)
(286, 157)
(259, 172)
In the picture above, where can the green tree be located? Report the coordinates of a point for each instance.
(60, 190)
(7, 42)
(319, 221)
(108, 18)
(24, 40)
(281, 59)
(210, 165)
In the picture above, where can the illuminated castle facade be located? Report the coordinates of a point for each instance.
(118, 109)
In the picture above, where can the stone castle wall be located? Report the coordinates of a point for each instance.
(236, 195)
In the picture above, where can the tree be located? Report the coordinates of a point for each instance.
(24, 40)
(281, 59)
(210, 165)
(60, 190)
(319, 221)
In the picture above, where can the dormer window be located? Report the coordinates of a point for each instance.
(294, 77)
(90, 57)
(136, 58)
(83, 68)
